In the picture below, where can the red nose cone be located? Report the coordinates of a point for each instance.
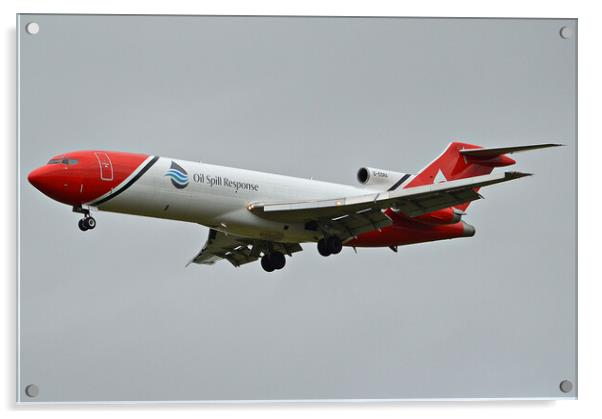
(54, 181)
(38, 179)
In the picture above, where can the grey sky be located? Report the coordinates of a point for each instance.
(113, 314)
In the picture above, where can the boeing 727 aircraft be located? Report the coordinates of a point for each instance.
(254, 215)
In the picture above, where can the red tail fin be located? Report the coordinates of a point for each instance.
(452, 165)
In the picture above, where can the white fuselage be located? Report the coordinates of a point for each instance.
(218, 197)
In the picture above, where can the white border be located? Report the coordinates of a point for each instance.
(590, 309)
(18, 238)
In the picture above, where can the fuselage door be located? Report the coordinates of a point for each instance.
(106, 167)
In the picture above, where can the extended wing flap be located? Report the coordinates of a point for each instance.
(353, 224)
(221, 246)
(238, 250)
(413, 207)
(240, 255)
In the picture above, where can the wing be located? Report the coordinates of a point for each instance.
(238, 250)
(365, 211)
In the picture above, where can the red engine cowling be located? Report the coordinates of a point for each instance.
(442, 216)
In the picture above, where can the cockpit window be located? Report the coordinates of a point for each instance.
(62, 161)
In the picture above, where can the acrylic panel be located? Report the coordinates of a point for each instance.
(115, 315)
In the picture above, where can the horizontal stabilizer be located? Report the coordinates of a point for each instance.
(488, 153)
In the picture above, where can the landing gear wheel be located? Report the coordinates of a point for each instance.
(334, 245)
(89, 222)
(82, 225)
(278, 260)
(266, 263)
(323, 248)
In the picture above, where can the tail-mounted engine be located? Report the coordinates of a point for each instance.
(383, 179)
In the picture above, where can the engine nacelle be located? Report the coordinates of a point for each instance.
(369, 176)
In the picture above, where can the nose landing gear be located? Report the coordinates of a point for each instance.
(330, 246)
(86, 223)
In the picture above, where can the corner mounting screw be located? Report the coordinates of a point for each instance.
(32, 390)
(566, 386)
(566, 32)
(32, 28)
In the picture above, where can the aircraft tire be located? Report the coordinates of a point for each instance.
(266, 263)
(334, 245)
(82, 226)
(323, 248)
(89, 222)
(277, 260)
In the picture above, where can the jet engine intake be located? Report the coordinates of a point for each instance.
(369, 176)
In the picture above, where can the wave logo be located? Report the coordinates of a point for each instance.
(178, 176)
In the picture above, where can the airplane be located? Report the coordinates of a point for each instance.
(262, 216)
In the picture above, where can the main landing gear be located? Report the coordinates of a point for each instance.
(330, 246)
(273, 261)
(86, 223)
